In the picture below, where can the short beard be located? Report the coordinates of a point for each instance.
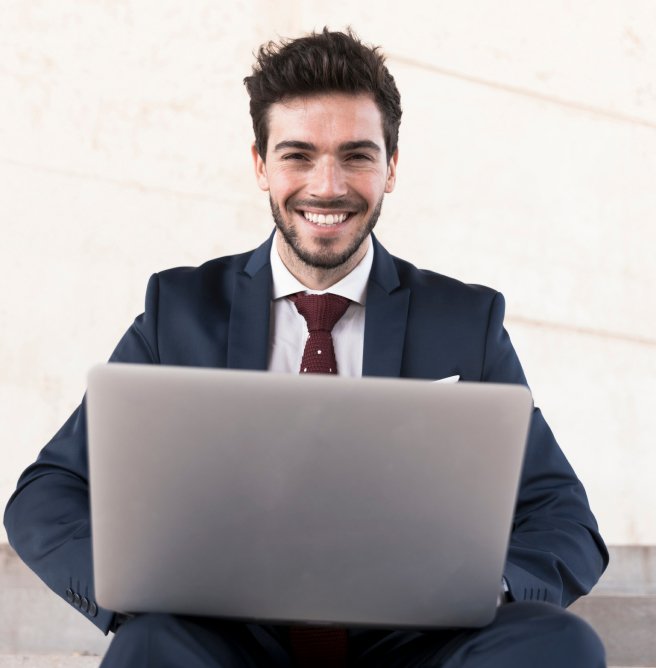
(323, 259)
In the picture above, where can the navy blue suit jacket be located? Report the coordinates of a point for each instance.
(418, 324)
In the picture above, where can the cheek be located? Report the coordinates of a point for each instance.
(373, 189)
(283, 187)
(280, 180)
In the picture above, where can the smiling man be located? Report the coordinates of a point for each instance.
(326, 115)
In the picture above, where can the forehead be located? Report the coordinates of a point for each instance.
(331, 118)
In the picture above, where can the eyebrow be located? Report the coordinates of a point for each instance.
(346, 146)
(356, 145)
(291, 143)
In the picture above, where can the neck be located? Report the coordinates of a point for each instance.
(317, 278)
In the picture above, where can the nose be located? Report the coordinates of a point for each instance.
(328, 180)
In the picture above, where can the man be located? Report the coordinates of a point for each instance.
(326, 114)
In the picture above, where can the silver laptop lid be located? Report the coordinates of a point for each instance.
(284, 498)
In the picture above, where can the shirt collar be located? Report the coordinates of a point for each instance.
(353, 286)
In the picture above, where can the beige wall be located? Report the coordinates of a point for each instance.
(528, 162)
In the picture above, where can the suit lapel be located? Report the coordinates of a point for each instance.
(248, 334)
(386, 315)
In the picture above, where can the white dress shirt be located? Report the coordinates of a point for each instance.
(288, 329)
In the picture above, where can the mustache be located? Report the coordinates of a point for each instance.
(339, 204)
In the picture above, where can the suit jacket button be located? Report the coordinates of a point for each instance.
(84, 604)
(76, 600)
(93, 609)
(69, 595)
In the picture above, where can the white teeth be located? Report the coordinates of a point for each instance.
(321, 219)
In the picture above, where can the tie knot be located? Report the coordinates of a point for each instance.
(321, 312)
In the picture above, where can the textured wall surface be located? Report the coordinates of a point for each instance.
(528, 162)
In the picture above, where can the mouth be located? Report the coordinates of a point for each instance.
(326, 219)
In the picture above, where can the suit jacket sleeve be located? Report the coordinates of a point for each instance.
(47, 517)
(556, 553)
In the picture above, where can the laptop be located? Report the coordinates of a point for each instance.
(302, 499)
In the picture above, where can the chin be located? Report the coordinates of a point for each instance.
(325, 258)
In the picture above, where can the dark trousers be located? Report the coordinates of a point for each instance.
(534, 635)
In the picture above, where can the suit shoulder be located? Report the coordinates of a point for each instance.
(433, 286)
(214, 279)
(212, 269)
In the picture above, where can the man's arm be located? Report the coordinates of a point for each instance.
(47, 518)
(556, 553)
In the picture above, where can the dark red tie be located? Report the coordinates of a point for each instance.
(321, 312)
(319, 646)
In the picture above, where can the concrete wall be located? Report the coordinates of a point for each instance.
(528, 162)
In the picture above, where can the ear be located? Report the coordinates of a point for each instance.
(260, 169)
(391, 172)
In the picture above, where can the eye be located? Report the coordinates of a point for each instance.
(359, 157)
(294, 156)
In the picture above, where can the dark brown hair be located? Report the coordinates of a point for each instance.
(321, 63)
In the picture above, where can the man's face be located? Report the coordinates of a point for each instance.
(326, 173)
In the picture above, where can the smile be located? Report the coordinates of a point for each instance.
(325, 219)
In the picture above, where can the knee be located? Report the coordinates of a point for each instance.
(146, 625)
(138, 637)
(566, 639)
(581, 640)
(156, 639)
